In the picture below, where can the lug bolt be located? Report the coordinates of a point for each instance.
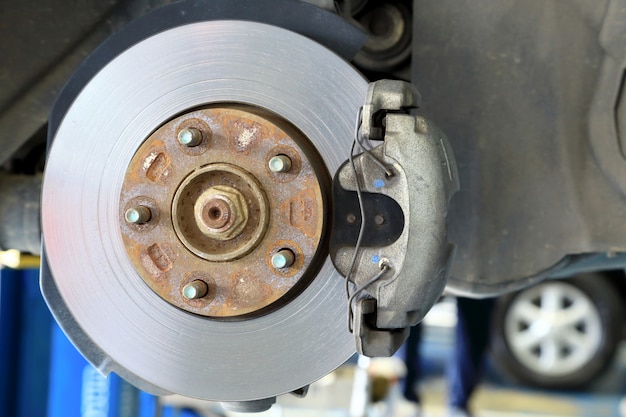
(195, 289)
(284, 258)
(280, 163)
(190, 137)
(138, 215)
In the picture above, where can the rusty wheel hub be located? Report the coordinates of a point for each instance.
(222, 211)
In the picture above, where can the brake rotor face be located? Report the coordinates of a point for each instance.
(152, 343)
(220, 213)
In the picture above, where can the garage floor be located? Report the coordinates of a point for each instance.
(498, 397)
(493, 398)
(335, 394)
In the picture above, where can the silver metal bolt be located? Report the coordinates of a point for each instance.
(190, 137)
(280, 163)
(138, 215)
(284, 258)
(195, 289)
(384, 263)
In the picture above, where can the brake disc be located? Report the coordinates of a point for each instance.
(174, 147)
(188, 206)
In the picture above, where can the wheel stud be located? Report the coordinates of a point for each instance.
(138, 215)
(190, 137)
(284, 258)
(195, 289)
(280, 163)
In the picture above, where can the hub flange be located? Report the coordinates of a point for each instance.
(220, 214)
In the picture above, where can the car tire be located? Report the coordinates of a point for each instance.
(559, 334)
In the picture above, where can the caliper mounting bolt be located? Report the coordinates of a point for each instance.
(284, 258)
(138, 215)
(195, 289)
(190, 137)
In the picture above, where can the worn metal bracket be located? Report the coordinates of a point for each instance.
(423, 179)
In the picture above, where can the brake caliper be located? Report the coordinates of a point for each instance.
(390, 203)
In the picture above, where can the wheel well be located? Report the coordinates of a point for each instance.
(617, 279)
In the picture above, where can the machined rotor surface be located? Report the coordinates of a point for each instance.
(149, 341)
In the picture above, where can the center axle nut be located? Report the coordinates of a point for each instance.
(221, 212)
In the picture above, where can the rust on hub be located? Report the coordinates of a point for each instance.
(221, 212)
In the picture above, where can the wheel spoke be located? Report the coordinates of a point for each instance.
(526, 339)
(574, 339)
(549, 353)
(577, 312)
(527, 311)
(551, 298)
